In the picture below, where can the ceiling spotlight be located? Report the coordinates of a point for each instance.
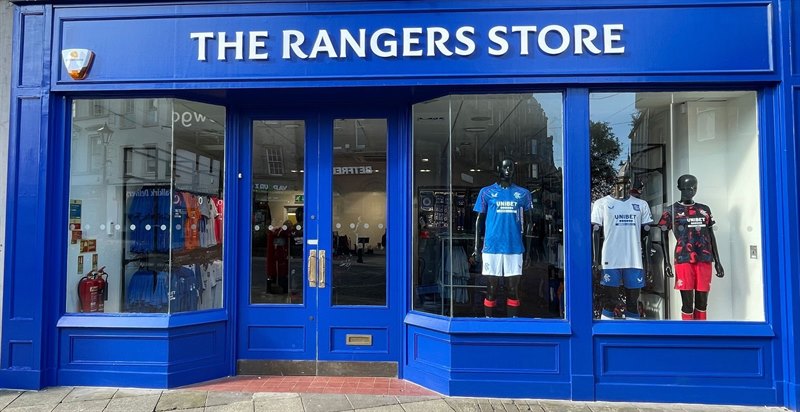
(475, 129)
(425, 159)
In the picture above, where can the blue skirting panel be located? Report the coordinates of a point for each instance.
(152, 358)
(501, 365)
(681, 369)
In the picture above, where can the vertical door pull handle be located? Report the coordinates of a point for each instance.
(312, 268)
(322, 269)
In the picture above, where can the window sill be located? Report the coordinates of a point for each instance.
(500, 326)
(141, 320)
(683, 328)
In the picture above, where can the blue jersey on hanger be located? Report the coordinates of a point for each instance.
(502, 207)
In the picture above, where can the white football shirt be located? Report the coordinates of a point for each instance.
(622, 222)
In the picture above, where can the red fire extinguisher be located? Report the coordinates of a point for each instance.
(92, 291)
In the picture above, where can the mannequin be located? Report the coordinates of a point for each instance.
(624, 221)
(503, 249)
(695, 248)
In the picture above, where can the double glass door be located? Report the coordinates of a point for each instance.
(316, 287)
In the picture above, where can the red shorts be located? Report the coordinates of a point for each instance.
(693, 276)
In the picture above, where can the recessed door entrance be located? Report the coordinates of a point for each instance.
(315, 295)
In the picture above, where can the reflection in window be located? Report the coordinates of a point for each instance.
(274, 161)
(358, 273)
(487, 243)
(143, 235)
(278, 227)
(683, 158)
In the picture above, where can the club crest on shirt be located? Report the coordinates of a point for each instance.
(517, 195)
(636, 207)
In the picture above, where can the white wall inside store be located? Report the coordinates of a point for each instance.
(718, 143)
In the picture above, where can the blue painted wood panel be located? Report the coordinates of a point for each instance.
(127, 357)
(660, 39)
(276, 338)
(338, 340)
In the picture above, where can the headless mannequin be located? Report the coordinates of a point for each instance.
(610, 294)
(691, 299)
(505, 172)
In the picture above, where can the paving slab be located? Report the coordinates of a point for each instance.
(277, 404)
(463, 404)
(175, 400)
(7, 397)
(371, 401)
(97, 405)
(240, 406)
(43, 397)
(564, 406)
(275, 395)
(616, 408)
(436, 405)
(90, 394)
(226, 398)
(528, 405)
(141, 403)
(403, 399)
(33, 408)
(325, 403)
(132, 392)
(385, 408)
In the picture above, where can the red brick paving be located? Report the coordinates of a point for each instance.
(315, 384)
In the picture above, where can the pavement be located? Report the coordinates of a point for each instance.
(90, 399)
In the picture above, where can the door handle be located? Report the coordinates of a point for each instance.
(322, 269)
(312, 268)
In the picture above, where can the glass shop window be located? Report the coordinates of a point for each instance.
(488, 194)
(146, 204)
(676, 211)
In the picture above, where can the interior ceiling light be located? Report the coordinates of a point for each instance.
(425, 159)
(291, 126)
(475, 129)
(480, 118)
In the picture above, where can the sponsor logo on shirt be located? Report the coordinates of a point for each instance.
(624, 219)
(506, 206)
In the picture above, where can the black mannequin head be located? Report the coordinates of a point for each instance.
(687, 184)
(505, 171)
(298, 214)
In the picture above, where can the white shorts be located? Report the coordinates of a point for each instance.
(495, 264)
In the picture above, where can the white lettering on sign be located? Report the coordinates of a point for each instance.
(522, 40)
(352, 170)
(187, 119)
(269, 188)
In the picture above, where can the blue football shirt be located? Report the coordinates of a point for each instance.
(503, 208)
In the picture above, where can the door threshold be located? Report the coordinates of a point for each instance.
(316, 368)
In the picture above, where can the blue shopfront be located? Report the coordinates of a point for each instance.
(203, 190)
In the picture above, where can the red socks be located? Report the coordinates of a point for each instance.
(697, 315)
